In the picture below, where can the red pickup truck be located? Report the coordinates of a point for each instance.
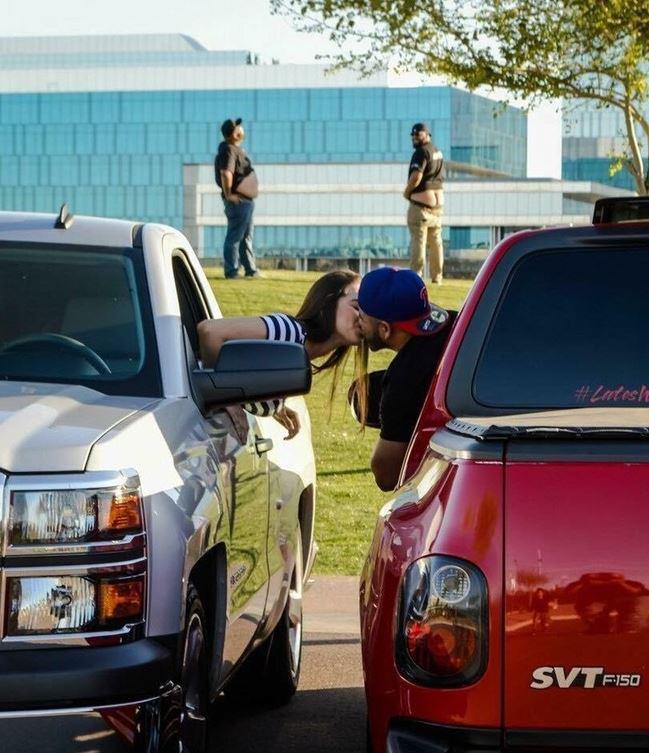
(505, 597)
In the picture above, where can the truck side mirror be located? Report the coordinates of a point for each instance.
(250, 370)
(374, 392)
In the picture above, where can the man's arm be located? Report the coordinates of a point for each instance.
(386, 463)
(413, 181)
(227, 176)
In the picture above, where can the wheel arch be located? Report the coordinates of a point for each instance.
(209, 576)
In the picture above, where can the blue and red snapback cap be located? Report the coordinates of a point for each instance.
(399, 296)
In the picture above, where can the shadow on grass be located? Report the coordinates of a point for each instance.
(348, 472)
(316, 721)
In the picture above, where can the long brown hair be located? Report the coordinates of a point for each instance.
(318, 316)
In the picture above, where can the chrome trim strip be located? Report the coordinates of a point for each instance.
(78, 710)
(130, 542)
(109, 568)
(71, 481)
(67, 639)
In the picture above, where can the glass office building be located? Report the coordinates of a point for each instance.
(591, 135)
(108, 123)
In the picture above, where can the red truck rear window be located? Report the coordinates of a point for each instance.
(571, 329)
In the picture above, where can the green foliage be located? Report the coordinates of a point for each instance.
(534, 49)
(348, 498)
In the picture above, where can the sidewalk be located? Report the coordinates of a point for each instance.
(331, 605)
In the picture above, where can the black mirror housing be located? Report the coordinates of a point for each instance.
(250, 370)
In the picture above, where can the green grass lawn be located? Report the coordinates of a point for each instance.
(348, 499)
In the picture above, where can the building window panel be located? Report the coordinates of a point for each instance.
(363, 104)
(130, 138)
(28, 171)
(161, 138)
(20, 108)
(105, 139)
(105, 107)
(7, 145)
(151, 107)
(171, 173)
(9, 171)
(63, 171)
(84, 141)
(282, 104)
(271, 138)
(59, 139)
(197, 137)
(100, 171)
(324, 104)
(64, 108)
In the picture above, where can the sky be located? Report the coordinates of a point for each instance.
(218, 24)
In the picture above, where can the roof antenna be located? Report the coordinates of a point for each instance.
(65, 218)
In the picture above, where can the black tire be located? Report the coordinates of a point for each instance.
(192, 673)
(369, 748)
(271, 674)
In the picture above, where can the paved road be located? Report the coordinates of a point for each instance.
(328, 711)
(327, 714)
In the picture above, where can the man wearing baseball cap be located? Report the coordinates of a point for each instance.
(395, 313)
(425, 193)
(237, 180)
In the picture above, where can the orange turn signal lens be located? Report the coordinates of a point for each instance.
(121, 599)
(122, 513)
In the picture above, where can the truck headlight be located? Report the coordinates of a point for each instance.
(81, 516)
(442, 633)
(72, 604)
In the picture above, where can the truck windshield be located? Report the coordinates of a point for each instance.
(78, 316)
(570, 330)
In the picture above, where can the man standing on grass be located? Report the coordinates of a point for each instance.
(425, 193)
(395, 313)
(237, 180)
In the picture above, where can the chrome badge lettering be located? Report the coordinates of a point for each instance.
(581, 677)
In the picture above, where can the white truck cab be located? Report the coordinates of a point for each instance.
(155, 536)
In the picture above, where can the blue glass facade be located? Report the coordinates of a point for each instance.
(592, 134)
(597, 169)
(121, 154)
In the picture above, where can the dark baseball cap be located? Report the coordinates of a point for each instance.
(228, 126)
(399, 296)
(419, 127)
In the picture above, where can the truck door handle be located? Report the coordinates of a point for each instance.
(263, 444)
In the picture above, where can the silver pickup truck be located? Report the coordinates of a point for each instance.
(155, 536)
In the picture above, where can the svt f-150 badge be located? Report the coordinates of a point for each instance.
(581, 677)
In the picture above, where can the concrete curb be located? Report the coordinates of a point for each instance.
(331, 605)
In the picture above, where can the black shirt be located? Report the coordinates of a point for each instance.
(407, 380)
(429, 160)
(232, 158)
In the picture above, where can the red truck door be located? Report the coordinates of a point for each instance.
(576, 585)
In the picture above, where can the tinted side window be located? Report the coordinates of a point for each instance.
(570, 330)
(192, 309)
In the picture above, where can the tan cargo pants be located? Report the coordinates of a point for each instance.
(425, 225)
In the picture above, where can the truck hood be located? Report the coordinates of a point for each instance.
(50, 428)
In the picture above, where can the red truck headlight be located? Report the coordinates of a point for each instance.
(442, 630)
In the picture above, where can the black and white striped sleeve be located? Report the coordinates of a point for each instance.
(283, 328)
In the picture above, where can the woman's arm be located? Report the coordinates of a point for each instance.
(212, 333)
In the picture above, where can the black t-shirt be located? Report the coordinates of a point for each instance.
(429, 160)
(232, 158)
(407, 381)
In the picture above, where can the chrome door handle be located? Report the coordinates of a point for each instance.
(262, 445)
